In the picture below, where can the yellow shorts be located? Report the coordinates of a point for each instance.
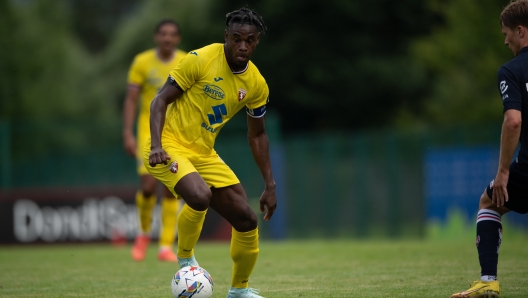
(184, 161)
(143, 137)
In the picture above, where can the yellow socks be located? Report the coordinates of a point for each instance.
(144, 207)
(190, 224)
(169, 217)
(244, 252)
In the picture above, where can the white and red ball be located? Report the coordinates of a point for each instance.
(192, 281)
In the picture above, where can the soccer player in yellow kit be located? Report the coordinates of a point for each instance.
(201, 94)
(146, 76)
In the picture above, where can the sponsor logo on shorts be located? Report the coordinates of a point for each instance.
(174, 167)
(214, 92)
(241, 94)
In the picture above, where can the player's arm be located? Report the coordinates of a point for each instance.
(129, 115)
(511, 130)
(510, 92)
(259, 144)
(167, 95)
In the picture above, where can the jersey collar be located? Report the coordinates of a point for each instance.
(165, 61)
(225, 57)
(242, 71)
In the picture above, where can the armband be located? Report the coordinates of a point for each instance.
(172, 81)
(256, 113)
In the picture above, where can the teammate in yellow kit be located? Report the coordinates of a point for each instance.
(201, 94)
(146, 76)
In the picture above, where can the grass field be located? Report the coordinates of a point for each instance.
(312, 268)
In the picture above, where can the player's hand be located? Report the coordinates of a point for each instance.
(268, 203)
(158, 156)
(500, 193)
(129, 142)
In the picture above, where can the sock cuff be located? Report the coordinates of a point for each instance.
(251, 233)
(488, 278)
(486, 214)
(140, 196)
(249, 238)
(192, 214)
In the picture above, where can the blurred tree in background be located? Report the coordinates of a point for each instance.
(331, 65)
(461, 59)
(340, 64)
(46, 78)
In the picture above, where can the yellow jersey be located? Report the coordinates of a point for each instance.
(150, 73)
(212, 94)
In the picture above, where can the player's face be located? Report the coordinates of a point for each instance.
(512, 39)
(241, 41)
(167, 38)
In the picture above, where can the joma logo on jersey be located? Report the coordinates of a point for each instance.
(214, 92)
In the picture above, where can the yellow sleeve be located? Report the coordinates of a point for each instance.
(188, 71)
(136, 75)
(261, 97)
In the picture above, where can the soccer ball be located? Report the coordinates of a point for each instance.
(192, 281)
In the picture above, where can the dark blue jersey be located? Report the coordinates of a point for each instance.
(513, 87)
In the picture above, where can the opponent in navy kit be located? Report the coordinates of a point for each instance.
(509, 190)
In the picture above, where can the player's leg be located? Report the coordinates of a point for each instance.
(231, 203)
(489, 238)
(197, 196)
(181, 178)
(145, 203)
(170, 206)
(489, 232)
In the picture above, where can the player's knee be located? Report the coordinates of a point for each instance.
(247, 222)
(199, 199)
(485, 201)
(147, 193)
(148, 187)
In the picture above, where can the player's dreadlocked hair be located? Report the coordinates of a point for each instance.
(246, 16)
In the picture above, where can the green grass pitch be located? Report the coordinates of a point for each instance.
(311, 268)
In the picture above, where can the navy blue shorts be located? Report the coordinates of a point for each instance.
(517, 188)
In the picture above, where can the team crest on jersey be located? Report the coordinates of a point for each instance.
(174, 167)
(241, 94)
